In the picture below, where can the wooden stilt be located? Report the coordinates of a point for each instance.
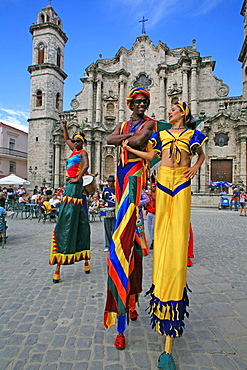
(166, 361)
(56, 277)
(168, 344)
(87, 267)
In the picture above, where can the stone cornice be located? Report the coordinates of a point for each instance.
(243, 8)
(37, 67)
(243, 51)
(42, 26)
(43, 118)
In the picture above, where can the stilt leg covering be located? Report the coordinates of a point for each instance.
(56, 276)
(120, 341)
(87, 267)
(166, 362)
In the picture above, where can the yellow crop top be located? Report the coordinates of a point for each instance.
(187, 140)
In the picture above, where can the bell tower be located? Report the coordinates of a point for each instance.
(46, 94)
(243, 53)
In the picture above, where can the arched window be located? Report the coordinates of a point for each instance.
(41, 53)
(57, 100)
(175, 99)
(39, 98)
(42, 18)
(58, 57)
(109, 165)
(110, 109)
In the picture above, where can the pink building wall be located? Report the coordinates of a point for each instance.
(13, 151)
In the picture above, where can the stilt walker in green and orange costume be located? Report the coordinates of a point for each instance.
(71, 236)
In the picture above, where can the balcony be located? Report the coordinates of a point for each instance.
(13, 152)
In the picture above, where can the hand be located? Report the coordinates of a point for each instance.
(75, 179)
(64, 123)
(125, 144)
(190, 172)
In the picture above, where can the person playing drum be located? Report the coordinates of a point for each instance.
(71, 236)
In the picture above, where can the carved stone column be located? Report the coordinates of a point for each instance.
(98, 100)
(162, 106)
(193, 88)
(97, 154)
(243, 159)
(90, 100)
(57, 164)
(185, 84)
(88, 148)
(122, 100)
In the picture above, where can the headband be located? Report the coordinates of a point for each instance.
(80, 137)
(184, 107)
(137, 91)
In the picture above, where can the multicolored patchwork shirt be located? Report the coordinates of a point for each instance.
(74, 163)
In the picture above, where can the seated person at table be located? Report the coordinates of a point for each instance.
(48, 209)
(22, 199)
(54, 201)
(2, 213)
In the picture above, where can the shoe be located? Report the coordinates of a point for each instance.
(133, 315)
(120, 341)
(106, 249)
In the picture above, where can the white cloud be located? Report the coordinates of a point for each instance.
(157, 10)
(15, 118)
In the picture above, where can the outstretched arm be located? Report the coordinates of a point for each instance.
(191, 171)
(145, 155)
(66, 136)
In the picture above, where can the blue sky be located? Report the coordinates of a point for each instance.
(101, 27)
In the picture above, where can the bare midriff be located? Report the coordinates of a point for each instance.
(171, 162)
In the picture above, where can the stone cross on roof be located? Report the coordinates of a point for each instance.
(143, 24)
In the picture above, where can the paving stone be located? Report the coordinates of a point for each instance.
(80, 366)
(19, 365)
(222, 362)
(83, 354)
(52, 355)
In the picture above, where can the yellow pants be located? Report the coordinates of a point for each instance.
(168, 292)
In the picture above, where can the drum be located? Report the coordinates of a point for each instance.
(108, 212)
(89, 184)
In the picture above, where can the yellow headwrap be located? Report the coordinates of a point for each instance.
(184, 107)
(80, 137)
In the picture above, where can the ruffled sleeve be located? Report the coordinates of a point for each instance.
(197, 140)
(155, 143)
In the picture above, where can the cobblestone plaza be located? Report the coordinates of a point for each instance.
(46, 326)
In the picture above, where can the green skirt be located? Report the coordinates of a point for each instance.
(71, 236)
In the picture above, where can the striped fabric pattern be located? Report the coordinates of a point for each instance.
(125, 255)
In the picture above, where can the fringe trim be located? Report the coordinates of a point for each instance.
(75, 201)
(65, 259)
(168, 317)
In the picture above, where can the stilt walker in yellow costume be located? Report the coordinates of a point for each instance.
(169, 300)
(71, 236)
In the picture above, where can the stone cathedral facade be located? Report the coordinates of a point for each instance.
(169, 75)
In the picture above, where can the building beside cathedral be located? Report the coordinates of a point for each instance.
(169, 75)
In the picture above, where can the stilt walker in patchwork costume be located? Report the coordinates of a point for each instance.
(71, 236)
(169, 299)
(125, 255)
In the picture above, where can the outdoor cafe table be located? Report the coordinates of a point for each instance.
(31, 209)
